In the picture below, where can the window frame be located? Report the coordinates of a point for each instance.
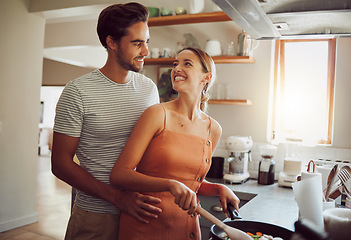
(279, 80)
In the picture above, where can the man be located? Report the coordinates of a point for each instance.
(94, 118)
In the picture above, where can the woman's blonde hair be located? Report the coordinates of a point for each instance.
(208, 66)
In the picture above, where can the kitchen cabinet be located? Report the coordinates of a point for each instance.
(193, 19)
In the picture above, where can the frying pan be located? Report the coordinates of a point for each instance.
(250, 226)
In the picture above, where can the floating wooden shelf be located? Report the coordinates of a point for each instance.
(199, 18)
(230, 101)
(216, 59)
(188, 19)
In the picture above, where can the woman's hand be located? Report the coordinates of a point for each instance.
(184, 196)
(227, 196)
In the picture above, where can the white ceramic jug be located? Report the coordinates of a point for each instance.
(246, 45)
(196, 6)
(213, 48)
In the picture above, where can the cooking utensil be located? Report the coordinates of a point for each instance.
(330, 180)
(252, 227)
(233, 213)
(324, 170)
(345, 176)
(335, 190)
(248, 226)
(231, 232)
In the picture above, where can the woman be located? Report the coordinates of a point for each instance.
(171, 148)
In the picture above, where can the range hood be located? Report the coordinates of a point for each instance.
(284, 19)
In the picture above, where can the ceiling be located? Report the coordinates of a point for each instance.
(262, 19)
(81, 55)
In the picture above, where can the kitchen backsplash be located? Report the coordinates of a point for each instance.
(305, 153)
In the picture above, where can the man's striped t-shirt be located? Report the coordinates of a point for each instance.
(102, 113)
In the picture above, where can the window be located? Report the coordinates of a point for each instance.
(303, 90)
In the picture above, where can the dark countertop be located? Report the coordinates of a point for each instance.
(272, 204)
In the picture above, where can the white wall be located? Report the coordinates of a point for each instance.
(21, 59)
(50, 96)
(247, 81)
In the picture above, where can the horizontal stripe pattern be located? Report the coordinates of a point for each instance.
(102, 113)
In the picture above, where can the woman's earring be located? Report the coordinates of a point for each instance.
(204, 90)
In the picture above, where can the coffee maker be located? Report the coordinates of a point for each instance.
(266, 167)
(236, 165)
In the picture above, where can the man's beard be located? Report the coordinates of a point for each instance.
(126, 64)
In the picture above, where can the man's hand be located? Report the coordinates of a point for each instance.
(139, 206)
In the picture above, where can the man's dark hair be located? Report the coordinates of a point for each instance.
(115, 19)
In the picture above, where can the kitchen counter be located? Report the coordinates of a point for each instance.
(272, 204)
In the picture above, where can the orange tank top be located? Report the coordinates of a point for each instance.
(185, 158)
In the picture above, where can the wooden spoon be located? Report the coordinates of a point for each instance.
(232, 233)
(330, 180)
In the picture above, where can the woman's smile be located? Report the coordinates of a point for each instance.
(178, 78)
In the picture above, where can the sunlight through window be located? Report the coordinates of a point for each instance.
(304, 91)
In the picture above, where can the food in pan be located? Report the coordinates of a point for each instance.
(257, 236)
